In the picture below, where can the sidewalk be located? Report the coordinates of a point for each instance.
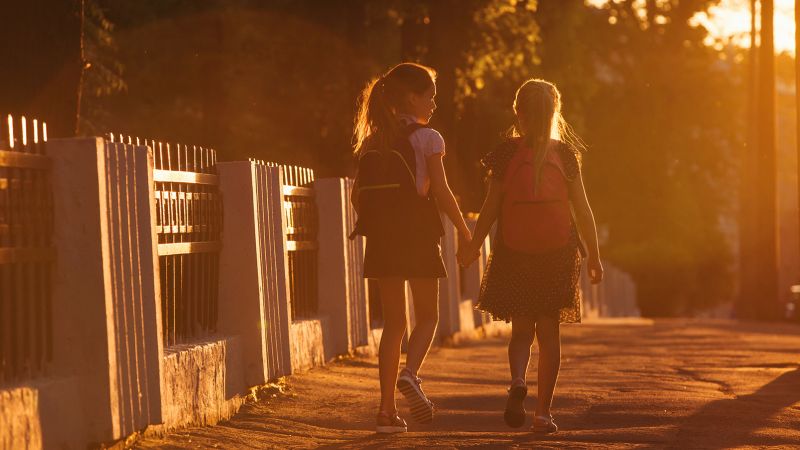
(623, 384)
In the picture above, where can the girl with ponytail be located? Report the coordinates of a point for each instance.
(399, 192)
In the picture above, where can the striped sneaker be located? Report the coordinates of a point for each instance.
(386, 423)
(421, 408)
(544, 424)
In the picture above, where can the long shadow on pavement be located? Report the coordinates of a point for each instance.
(445, 440)
(734, 421)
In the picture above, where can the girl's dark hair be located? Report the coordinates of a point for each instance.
(379, 103)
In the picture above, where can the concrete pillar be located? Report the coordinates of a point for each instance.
(472, 277)
(614, 297)
(618, 293)
(455, 313)
(357, 284)
(342, 299)
(274, 268)
(106, 310)
(241, 287)
(254, 287)
(448, 287)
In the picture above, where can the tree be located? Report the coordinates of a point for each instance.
(41, 58)
(249, 87)
(278, 80)
(102, 71)
(487, 50)
(663, 132)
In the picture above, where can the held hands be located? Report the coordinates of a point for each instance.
(466, 254)
(595, 269)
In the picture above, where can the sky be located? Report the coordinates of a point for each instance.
(731, 18)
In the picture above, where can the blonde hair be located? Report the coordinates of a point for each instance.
(376, 121)
(537, 105)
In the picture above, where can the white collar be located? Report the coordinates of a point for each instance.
(406, 118)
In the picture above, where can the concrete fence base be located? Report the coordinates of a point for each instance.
(307, 343)
(203, 383)
(20, 418)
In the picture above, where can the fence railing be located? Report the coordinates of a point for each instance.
(26, 252)
(301, 240)
(188, 225)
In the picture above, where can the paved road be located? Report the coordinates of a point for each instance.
(624, 384)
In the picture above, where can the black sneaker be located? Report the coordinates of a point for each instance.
(421, 408)
(515, 406)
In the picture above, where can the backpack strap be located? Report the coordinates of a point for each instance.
(412, 127)
(406, 150)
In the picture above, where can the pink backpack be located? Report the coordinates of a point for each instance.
(535, 220)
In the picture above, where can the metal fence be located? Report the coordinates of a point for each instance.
(189, 225)
(26, 252)
(301, 236)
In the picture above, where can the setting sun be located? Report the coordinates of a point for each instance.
(731, 20)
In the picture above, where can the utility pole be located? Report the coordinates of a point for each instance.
(748, 196)
(767, 223)
(797, 98)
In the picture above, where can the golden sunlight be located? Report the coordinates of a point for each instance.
(731, 20)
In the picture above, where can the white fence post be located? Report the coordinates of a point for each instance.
(614, 297)
(360, 330)
(455, 316)
(106, 311)
(273, 267)
(473, 275)
(342, 299)
(241, 270)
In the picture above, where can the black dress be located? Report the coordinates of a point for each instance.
(523, 285)
(406, 229)
(396, 256)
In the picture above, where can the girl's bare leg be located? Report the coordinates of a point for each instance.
(547, 332)
(519, 347)
(426, 314)
(393, 298)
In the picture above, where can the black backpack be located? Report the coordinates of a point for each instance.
(389, 205)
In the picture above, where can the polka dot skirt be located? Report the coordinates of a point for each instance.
(522, 285)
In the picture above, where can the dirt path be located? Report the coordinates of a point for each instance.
(624, 384)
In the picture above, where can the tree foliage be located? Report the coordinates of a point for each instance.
(102, 70)
(664, 128)
(41, 62)
(660, 109)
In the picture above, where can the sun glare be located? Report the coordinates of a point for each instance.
(730, 19)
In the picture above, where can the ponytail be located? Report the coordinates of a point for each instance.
(376, 122)
(538, 103)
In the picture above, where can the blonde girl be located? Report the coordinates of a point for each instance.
(532, 275)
